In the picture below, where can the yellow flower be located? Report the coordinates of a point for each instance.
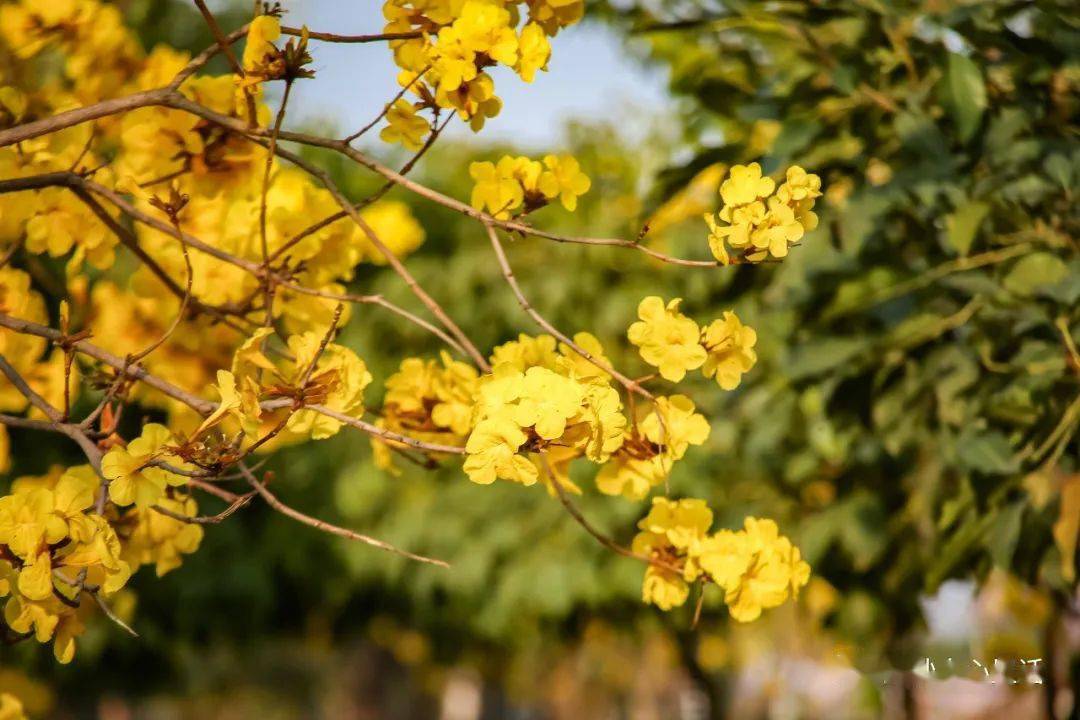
(649, 451)
(35, 578)
(670, 533)
(667, 339)
(404, 126)
(563, 179)
(745, 185)
(63, 222)
(73, 494)
(683, 523)
(799, 185)
(496, 187)
(630, 476)
(428, 402)
(484, 27)
(756, 567)
(39, 617)
(491, 452)
(730, 345)
(603, 416)
(260, 41)
(11, 708)
(99, 556)
(28, 524)
(229, 401)
(159, 539)
(455, 392)
(393, 223)
(553, 15)
(339, 374)
(573, 365)
(681, 426)
(778, 230)
(759, 223)
(526, 352)
(547, 400)
(663, 588)
(535, 52)
(132, 479)
(454, 63)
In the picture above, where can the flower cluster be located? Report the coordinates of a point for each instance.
(226, 326)
(756, 567)
(756, 221)
(660, 435)
(673, 343)
(427, 400)
(311, 371)
(518, 182)
(53, 546)
(160, 152)
(540, 399)
(100, 53)
(27, 354)
(137, 473)
(446, 66)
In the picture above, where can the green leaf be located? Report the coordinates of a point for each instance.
(965, 92)
(986, 452)
(1059, 169)
(1034, 272)
(963, 225)
(822, 354)
(1004, 532)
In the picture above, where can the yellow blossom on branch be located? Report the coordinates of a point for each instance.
(133, 475)
(730, 346)
(667, 339)
(404, 126)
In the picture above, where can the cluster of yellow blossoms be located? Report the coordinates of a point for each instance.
(57, 548)
(541, 400)
(757, 222)
(518, 182)
(756, 567)
(673, 343)
(445, 65)
(73, 537)
(157, 152)
(428, 401)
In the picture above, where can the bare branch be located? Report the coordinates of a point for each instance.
(273, 501)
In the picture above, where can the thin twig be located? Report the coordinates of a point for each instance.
(273, 501)
(508, 274)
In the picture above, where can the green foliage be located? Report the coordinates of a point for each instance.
(927, 315)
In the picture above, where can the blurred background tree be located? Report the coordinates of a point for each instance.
(913, 417)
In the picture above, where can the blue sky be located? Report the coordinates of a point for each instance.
(591, 74)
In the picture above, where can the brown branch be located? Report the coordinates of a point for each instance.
(273, 501)
(135, 372)
(386, 108)
(222, 42)
(105, 108)
(268, 278)
(597, 535)
(236, 504)
(351, 39)
(508, 273)
(205, 407)
(56, 420)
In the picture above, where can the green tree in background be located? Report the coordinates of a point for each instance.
(921, 399)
